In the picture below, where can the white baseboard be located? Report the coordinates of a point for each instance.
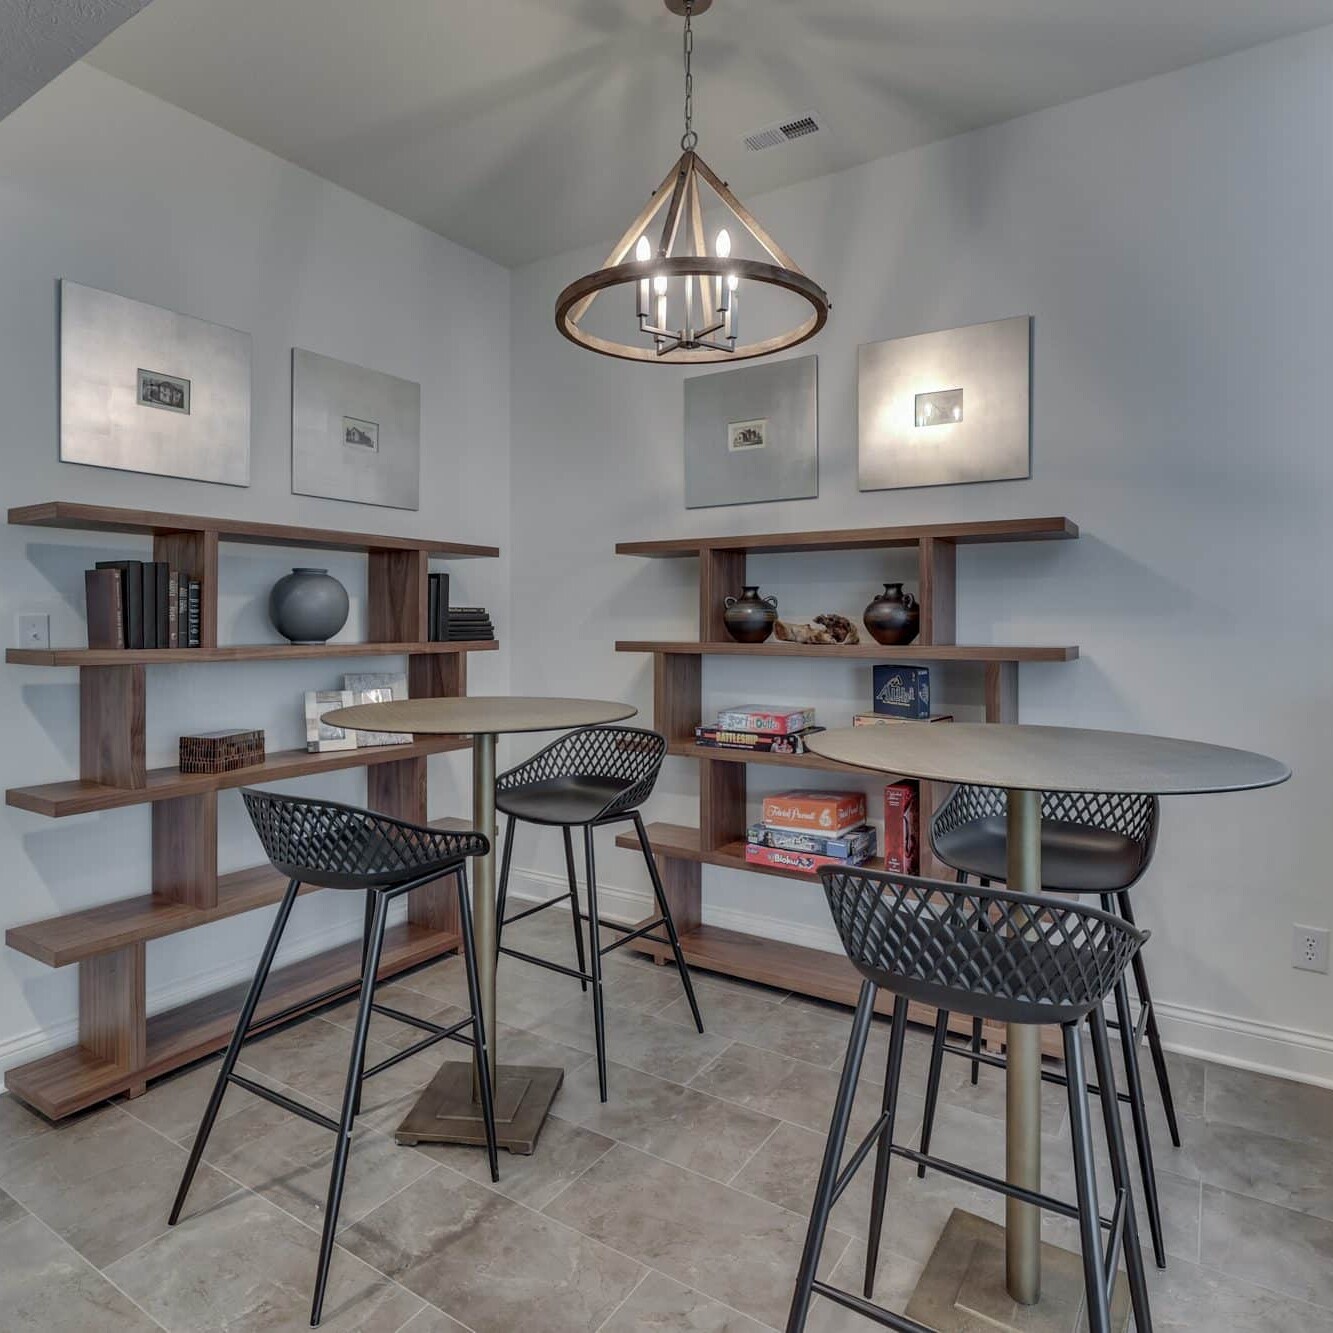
(1226, 1039)
(42, 1041)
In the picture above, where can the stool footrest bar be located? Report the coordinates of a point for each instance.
(532, 911)
(1047, 1075)
(641, 933)
(287, 1104)
(546, 963)
(886, 1318)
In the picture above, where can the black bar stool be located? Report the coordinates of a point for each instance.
(337, 846)
(1090, 843)
(587, 778)
(1011, 957)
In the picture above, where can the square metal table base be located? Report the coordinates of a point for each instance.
(446, 1113)
(962, 1288)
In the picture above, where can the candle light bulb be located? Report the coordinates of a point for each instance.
(723, 244)
(660, 284)
(642, 251)
(732, 282)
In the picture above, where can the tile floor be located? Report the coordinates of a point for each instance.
(678, 1205)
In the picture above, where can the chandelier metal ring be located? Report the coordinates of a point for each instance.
(581, 290)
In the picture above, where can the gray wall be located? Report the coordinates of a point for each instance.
(1171, 241)
(108, 186)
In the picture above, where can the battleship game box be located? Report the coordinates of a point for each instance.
(853, 848)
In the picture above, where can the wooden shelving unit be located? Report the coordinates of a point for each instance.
(719, 838)
(120, 1047)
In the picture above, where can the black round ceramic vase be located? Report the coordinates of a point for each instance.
(750, 618)
(308, 606)
(894, 616)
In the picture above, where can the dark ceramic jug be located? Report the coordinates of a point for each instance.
(308, 606)
(749, 618)
(894, 616)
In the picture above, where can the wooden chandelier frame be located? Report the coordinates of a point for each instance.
(680, 201)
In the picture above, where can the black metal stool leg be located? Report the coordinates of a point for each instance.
(883, 1158)
(502, 893)
(595, 955)
(976, 1048)
(665, 908)
(1154, 1036)
(933, 1083)
(480, 1037)
(1115, 1140)
(828, 1173)
(355, 1064)
(1085, 1179)
(574, 903)
(234, 1048)
(1139, 1115)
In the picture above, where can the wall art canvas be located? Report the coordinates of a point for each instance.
(356, 433)
(752, 434)
(144, 389)
(941, 409)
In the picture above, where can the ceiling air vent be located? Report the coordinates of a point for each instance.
(782, 131)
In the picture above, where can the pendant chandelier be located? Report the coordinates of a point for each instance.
(686, 300)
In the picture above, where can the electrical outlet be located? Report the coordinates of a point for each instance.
(34, 631)
(1309, 948)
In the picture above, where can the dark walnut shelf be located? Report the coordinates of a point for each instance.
(719, 754)
(80, 797)
(61, 940)
(866, 652)
(862, 539)
(105, 518)
(244, 652)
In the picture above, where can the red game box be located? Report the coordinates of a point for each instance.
(902, 808)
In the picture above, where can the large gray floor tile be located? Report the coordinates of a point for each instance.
(10, 1209)
(665, 1119)
(739, 1250)
(638, 1040)
(1275, 1106)
(802, 1029)
(431, 1320)
(895, 1281)
(1289, 1172)
(660, 1304)
(1186, 1298)
(105, 1185)
(246, 1266)
(17, 1122)
(1269, 1246)
(175, 1105)
(793, 1090)
(46, 1288)
(490, 1262)
(564, 1152)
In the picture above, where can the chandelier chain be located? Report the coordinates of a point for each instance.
(689, 139)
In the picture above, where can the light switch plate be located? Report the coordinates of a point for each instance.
(34, 630)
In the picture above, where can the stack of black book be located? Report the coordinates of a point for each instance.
(142, 604)
(469, 623)
(450, 624)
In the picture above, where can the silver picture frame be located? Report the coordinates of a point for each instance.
(752, 434)
(946, 408)
(356, 433)
(143, 389)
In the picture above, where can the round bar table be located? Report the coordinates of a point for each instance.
(1026, 761)
(449, 1111)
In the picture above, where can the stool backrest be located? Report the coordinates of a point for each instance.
(344, 847)
(1133, 816)
(1014, 957)
(631, 756)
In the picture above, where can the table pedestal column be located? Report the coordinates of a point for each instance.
(449, 1111)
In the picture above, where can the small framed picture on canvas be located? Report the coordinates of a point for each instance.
(747, 434)
(358, 434)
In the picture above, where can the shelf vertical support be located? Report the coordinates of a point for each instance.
(1001, 691)
(112, 719)
(185, 849)
(396, 594)
(937, 577)
(113, 1022)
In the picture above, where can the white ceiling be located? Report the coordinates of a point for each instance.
(522, 128)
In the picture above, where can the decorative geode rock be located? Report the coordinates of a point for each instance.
(828, 628)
